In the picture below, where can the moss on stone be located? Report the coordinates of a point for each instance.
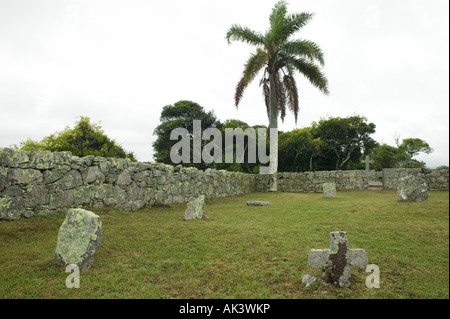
(78, 238)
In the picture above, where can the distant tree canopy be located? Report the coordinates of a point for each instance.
(84, 139)
(331, 144)
(240, 164)
(180, 115)
(298, 150)
(387, 156)
(334, 143)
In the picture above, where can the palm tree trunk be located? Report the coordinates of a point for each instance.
(273, 124)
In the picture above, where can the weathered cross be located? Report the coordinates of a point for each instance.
(337, 262)
(367, 162)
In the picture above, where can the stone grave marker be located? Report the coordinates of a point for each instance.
(78, 238)
(257, 203)
(412, 189)
(367, 161)
(194, 209)
(337, 261)
(329, 190)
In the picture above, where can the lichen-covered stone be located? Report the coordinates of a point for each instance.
(194, 209)
(309, 280)
(118, 164)
(51, 176)
(78, 238)
(3, 175)
(12, 208)
(61, 199)
(36, 196)
(99, 192)
(93, 174)
(337, 261)
(329, 190)
(41, 159)
(71, 180)
(10, 157)
(412, 189)
(26, 176)
(14, 191)
(124, 178)
(62, 158)
(82, 195)
(257, 203)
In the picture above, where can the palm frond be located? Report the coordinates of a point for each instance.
(312, 72)
(291, 94)
(244, 34)
(296, 21)
(277, 23)
(253, 65)
(280, 95)
(304, 48)
(240, 87)
(281, 58)
(282, 25)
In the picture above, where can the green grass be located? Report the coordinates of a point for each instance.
(243, 252)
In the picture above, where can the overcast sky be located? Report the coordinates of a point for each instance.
(120, 62)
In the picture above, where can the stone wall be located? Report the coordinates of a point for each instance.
(436, 179)
(38, 182)
(313, 181)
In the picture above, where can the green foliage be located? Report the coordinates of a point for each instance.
(344, 141)
(280, 57)
(84, 139)
(331, 144)
(387, 156)
(334, 143)
(240, 165)
(181, 115)
(298, 150)
(412, 147)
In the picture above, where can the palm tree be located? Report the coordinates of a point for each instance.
(280, 57)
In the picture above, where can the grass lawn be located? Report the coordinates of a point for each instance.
(243, 252)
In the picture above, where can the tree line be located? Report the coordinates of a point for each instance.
(334, 143)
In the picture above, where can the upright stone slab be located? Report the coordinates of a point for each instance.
(412, 189)
(78, 238)
(194, 209)
(337, 261)
(329, 190)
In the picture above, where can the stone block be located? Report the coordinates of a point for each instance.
(329, 190)
(412, 189)
(78, 238)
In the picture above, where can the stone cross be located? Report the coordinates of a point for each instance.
(367, 162)
(337, 262)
